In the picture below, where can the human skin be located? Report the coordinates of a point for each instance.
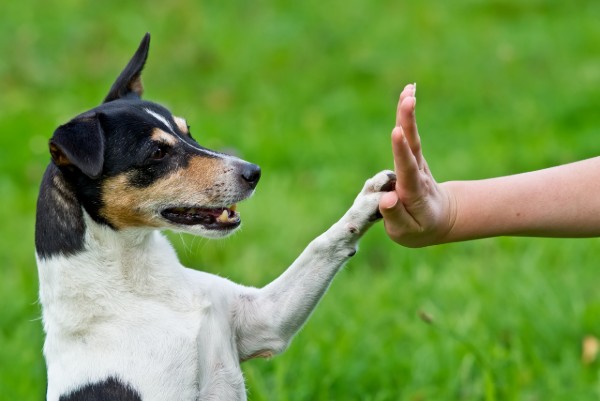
(561, 201)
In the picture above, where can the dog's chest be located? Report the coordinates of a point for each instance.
(177, 346)
(159, 352)
(154, 352)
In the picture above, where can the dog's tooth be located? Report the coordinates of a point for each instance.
(224, 217)
(233, 208)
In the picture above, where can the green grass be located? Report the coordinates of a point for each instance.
(308, 91)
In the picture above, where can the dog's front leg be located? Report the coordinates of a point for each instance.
(266, 319)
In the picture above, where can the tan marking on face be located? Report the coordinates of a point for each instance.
(181, 124)
(159, 135)
(195, 185)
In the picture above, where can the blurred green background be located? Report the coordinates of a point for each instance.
(308, 91)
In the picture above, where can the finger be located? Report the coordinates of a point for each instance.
(408, 123)
(405, 165)
(396, 219)
(392, 210)
(408, 91)
(388, 201)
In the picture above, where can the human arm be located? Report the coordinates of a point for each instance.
(562, 201)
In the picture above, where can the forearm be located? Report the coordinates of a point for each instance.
(562, 201)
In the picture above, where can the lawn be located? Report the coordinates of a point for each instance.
(308, 90)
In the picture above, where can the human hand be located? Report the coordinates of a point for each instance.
(420, 212)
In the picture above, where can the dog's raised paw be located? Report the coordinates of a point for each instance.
(366, 205)
(383, 181)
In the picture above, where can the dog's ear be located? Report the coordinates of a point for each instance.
(80, 143)
(129, 82)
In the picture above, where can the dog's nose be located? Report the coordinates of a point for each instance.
(251, 174)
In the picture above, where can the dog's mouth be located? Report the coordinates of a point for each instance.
(220, 218)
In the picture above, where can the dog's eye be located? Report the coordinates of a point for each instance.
(159, 152)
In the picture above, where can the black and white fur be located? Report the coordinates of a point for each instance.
(124, 320)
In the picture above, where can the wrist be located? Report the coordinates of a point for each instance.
(448, 217)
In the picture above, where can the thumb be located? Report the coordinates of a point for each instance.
(389, 203)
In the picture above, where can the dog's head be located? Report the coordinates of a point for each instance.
(133, 164)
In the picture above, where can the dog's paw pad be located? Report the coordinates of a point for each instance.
(390, 185)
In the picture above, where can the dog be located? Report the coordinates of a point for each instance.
(123, 319)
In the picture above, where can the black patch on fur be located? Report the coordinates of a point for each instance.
(59, 227)
(111, 389)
